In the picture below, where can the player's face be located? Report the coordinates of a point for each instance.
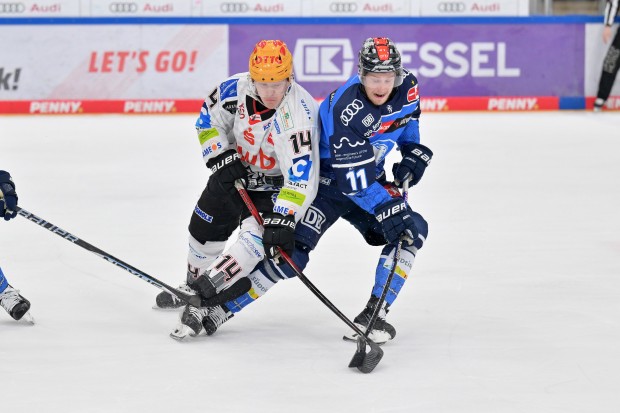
(379, 86)
(271, 93)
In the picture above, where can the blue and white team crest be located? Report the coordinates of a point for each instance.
(381, 148)
(300, 171)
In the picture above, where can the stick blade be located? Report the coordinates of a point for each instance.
(371, 359)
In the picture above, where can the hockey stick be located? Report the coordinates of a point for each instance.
(358, 357)
(188, 298)
(368, 361)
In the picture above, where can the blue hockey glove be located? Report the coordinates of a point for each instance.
(226, 168)
(279, 232)
(416, 158)
(8, 198)
(396, 220)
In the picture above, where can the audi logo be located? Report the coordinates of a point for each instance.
(123, 7)
(350, 111)
(12, 8)
(340, 7)
(234, 7)
(451, 7)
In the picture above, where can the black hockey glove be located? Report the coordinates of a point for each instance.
(226, 168)
(416, 158)
(279, 232)
(396, 220)
(8, 197)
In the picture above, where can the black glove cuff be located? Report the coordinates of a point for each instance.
(223, 160)
(277, 220)
(419, 151)
(389, 209)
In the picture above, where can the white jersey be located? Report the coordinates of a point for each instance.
(279, 146)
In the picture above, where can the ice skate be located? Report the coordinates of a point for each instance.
(215, 318)
(598, 104)
(16, 305)
(167, 301)
(190, 323)
(382, 331)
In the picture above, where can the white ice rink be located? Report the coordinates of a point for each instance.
(514, 305)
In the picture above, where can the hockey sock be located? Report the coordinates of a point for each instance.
(3, 282)
(402, 271)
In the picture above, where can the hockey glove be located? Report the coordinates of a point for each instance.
(279, 232)
(416, 158)
(396, 220)
(226, 168)
(8, 197)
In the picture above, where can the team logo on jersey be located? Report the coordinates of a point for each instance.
(381, 150)
(241, 111)
(350, 111)
(412, 94)
(300, 171)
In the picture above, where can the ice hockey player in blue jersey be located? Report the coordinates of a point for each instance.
(375, 111)
(10, 299)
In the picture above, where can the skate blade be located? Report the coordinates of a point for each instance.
(181, 332)
(377, 337)
(155, 307)
(28, 319)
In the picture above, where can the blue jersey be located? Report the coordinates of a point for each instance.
(357, 135)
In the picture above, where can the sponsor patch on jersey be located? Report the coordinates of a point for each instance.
(292, 196)
(308, 113)
(349, 112)
(300, 171)
(203, 215)
(228, 89)
(287, 118)
(207, 134)
(412, 94)
(215, 146)
(313, 219)
(283, 210)
(276, 125)
(368, 120)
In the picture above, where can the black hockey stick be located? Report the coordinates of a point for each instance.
(358, 357)
(368, 360)
(188, 298)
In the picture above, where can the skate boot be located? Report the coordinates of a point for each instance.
(598, 104)
(197, 321)
(13, 302)
(165, 300)
(190, 323)
(217, 316)
(382, 331)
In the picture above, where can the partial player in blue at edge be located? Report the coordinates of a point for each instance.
(10, 299)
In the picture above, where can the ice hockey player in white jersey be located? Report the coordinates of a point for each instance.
(260, 127)
(10, 299)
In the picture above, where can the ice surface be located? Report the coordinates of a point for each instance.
(514, 305)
